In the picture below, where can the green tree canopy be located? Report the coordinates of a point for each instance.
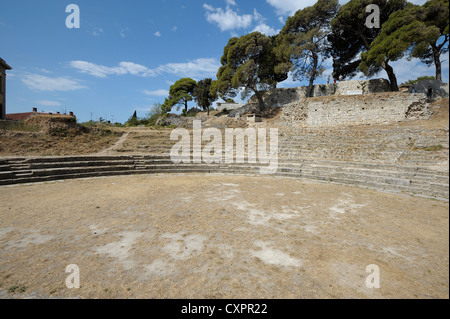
(303, 40)
(401, 32)
(434, 15)
(350, 36)
(154, 113)
(133, 120)
(202, 94)
(180, 93)
(420, 78)
(248, 62)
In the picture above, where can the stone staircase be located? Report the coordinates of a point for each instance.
(386, 159)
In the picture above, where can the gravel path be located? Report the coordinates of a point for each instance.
(117, 145)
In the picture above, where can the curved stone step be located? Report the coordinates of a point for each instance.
(412, 180)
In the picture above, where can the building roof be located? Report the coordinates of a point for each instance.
(26, 115)
(18, 116)
(4, 64)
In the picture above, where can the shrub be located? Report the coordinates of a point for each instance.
(420, 78)
(20, 126)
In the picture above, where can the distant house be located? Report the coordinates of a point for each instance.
(26, 115)
(3, 67)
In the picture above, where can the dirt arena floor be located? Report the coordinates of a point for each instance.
(211, 236)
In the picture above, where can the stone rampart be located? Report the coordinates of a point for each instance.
(336, 110)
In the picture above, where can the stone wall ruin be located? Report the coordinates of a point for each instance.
(380, 108)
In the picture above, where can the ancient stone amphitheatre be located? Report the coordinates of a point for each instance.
(138, 225)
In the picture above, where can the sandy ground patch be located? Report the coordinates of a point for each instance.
(209, 236)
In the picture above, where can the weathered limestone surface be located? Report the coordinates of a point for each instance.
(356, 109)
(228, 106)
(362, 87)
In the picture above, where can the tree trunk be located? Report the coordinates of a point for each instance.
(262, 106)
(437, 63)
(310, 92)
(185, 107)
(392, 78)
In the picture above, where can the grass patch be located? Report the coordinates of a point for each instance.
(433, 148)
(18, 289)
(20, 127)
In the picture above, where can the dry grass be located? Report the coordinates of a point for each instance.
(53, 136)
(43, 144)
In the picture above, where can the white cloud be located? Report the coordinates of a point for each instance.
(257, 16)
(141, 109)
(157, 92)
(227, 19)
(102, 71)
(123, 32)
(43, 70)
(328, 73)
(174, 28)
(48, 103)
(289, 82)
(265, 29)
(135, 69)
(411, 70)
(289, 7)
(419, 2)
(44, 83)
(157, 34)
(285, 8)
(97, 32)
(208, 7)
(93, 69)
(196, 68)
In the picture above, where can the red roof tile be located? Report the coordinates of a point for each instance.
(18, 116)
(24, 116)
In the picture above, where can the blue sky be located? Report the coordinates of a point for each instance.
(126, 54)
